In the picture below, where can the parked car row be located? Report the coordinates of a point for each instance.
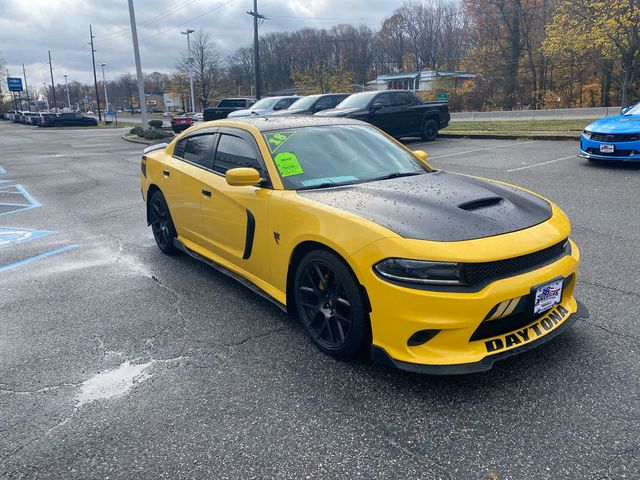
(50, 119)
(400, 113)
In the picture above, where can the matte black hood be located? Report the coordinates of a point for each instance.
(439, 206)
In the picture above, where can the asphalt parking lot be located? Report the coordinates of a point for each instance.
(119, 362)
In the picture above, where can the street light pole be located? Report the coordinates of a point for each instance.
(66, 87)
(188, 32)
(104, 84)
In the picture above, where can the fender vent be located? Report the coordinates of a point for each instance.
(480, 203)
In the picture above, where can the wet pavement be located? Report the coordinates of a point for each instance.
(119, 362)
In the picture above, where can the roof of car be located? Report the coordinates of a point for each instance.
(265, 124)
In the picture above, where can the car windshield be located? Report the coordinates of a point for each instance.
(357, 100)
(635, 110)
(304, 103)
(326, 156)
(264, 103)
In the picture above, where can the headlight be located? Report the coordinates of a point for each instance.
(420, 272)
(587, 134)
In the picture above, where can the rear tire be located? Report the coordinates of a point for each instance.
(331, 306)
(164, 232)
(429, 130)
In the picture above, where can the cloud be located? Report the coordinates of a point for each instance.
(62, 26)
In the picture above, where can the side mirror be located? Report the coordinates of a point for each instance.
(376, 106)
(423, 157)
(319, 108)
(243, 177)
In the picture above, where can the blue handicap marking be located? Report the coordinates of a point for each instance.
(14, 198)
(10, 235)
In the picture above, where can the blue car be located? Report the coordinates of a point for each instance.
(613, 138)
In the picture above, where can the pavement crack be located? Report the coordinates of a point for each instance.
(607, 287)
(611, 332)
(245, 339)
(48, 388)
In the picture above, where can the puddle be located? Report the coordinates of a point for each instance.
(113, 383)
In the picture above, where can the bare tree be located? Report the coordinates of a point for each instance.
(207, 67)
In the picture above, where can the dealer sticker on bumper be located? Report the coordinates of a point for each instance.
(547, 296)
(607, 148)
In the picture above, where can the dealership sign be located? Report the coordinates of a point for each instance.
(14, 84)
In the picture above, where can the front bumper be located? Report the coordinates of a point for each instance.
(379, 355)
(590, 149)
(466, 340)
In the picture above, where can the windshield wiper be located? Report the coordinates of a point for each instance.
(394, 175)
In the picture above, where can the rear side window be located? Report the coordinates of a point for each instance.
(235, 152)
(195, 149)
(232, 103)
(402, 99)
(326, 102)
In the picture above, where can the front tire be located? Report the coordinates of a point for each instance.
(331, 306)
(429, 130)
(164, 232)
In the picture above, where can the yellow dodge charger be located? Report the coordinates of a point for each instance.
(371, 247)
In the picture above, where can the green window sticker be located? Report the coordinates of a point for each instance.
(276, 139)
(288, 164)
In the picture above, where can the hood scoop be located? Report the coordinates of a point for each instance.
(438, 206)
(480, 203)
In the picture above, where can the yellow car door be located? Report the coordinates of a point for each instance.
(236, 217)
(182, 183)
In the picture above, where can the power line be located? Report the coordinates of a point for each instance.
(190, 20)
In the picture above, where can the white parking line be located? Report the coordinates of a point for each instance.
(540, 164)
(481, 149)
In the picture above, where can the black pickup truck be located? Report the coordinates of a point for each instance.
(71, 119)
(225, 107)
(400, 113)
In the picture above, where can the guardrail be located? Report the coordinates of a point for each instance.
(547, 114)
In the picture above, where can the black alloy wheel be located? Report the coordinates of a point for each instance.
(330, 305)
(430, 130)
(161, 224)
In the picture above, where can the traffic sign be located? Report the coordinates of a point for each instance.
(443, 97)
(14, 84)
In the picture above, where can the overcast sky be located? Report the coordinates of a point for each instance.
(28, 28)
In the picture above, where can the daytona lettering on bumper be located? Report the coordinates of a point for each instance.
(538, 329)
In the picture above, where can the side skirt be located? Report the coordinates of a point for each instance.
(254, 288)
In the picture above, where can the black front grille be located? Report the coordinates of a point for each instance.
(522, 315)
(616, 153)
(481, 272)
(617, 137)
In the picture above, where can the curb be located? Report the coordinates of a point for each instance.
(135, 139)
(489, 136)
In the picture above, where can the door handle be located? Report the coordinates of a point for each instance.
(166, 173)
(206, 193)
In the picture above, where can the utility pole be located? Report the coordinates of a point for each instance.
(53, 86)
(130, 100)
(66, 87)
(256, 50)
(136, 53)
(95, 77)
(26, 88)
(104, 84)
(188, 32)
